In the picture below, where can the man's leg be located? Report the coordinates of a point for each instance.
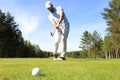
(64, 47)
(57, 41)
(65, 32)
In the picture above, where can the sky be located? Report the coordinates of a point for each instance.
(32, 17)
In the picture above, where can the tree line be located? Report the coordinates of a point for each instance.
(112, 39)
(12, 43)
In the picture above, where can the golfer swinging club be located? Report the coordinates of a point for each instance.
(60, 23)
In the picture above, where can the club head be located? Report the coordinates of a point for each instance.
(51, 34)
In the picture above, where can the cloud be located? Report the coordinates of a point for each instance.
(27, 20)
(27, 23)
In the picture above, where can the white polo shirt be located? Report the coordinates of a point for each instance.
(55, 16)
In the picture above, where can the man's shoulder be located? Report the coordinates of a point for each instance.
(59, 7)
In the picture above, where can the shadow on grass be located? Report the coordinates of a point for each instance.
(42, 75)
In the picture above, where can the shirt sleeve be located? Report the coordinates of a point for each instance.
(59, 9)
(50, 17)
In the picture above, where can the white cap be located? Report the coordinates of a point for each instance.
(48, 4)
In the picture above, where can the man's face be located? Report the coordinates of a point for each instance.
(51, 9)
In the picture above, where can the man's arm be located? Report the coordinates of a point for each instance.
(61, 15)
(54, 24)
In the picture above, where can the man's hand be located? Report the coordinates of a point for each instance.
(57, 26)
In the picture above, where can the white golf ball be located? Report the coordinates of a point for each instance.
(36, 71)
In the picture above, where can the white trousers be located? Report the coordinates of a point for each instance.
(61, 34)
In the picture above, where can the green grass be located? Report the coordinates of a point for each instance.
(71, 69)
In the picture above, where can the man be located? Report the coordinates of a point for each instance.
(60, 23)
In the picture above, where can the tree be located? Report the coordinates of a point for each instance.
(107, 46)
(91, 44)
(29, 49)
(112, 17)
(11, 39)
(96, 43)
(86, 42)
(12, 43)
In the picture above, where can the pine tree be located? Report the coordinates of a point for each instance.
(107, 46)
(112, 17)
(91, 44)
(96, 42)
(11, 39)
(86, 43)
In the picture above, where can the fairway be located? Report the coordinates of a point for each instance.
(71, 69)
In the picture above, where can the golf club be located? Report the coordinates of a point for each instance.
(52, 33)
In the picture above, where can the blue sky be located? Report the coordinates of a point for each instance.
(32, 17)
